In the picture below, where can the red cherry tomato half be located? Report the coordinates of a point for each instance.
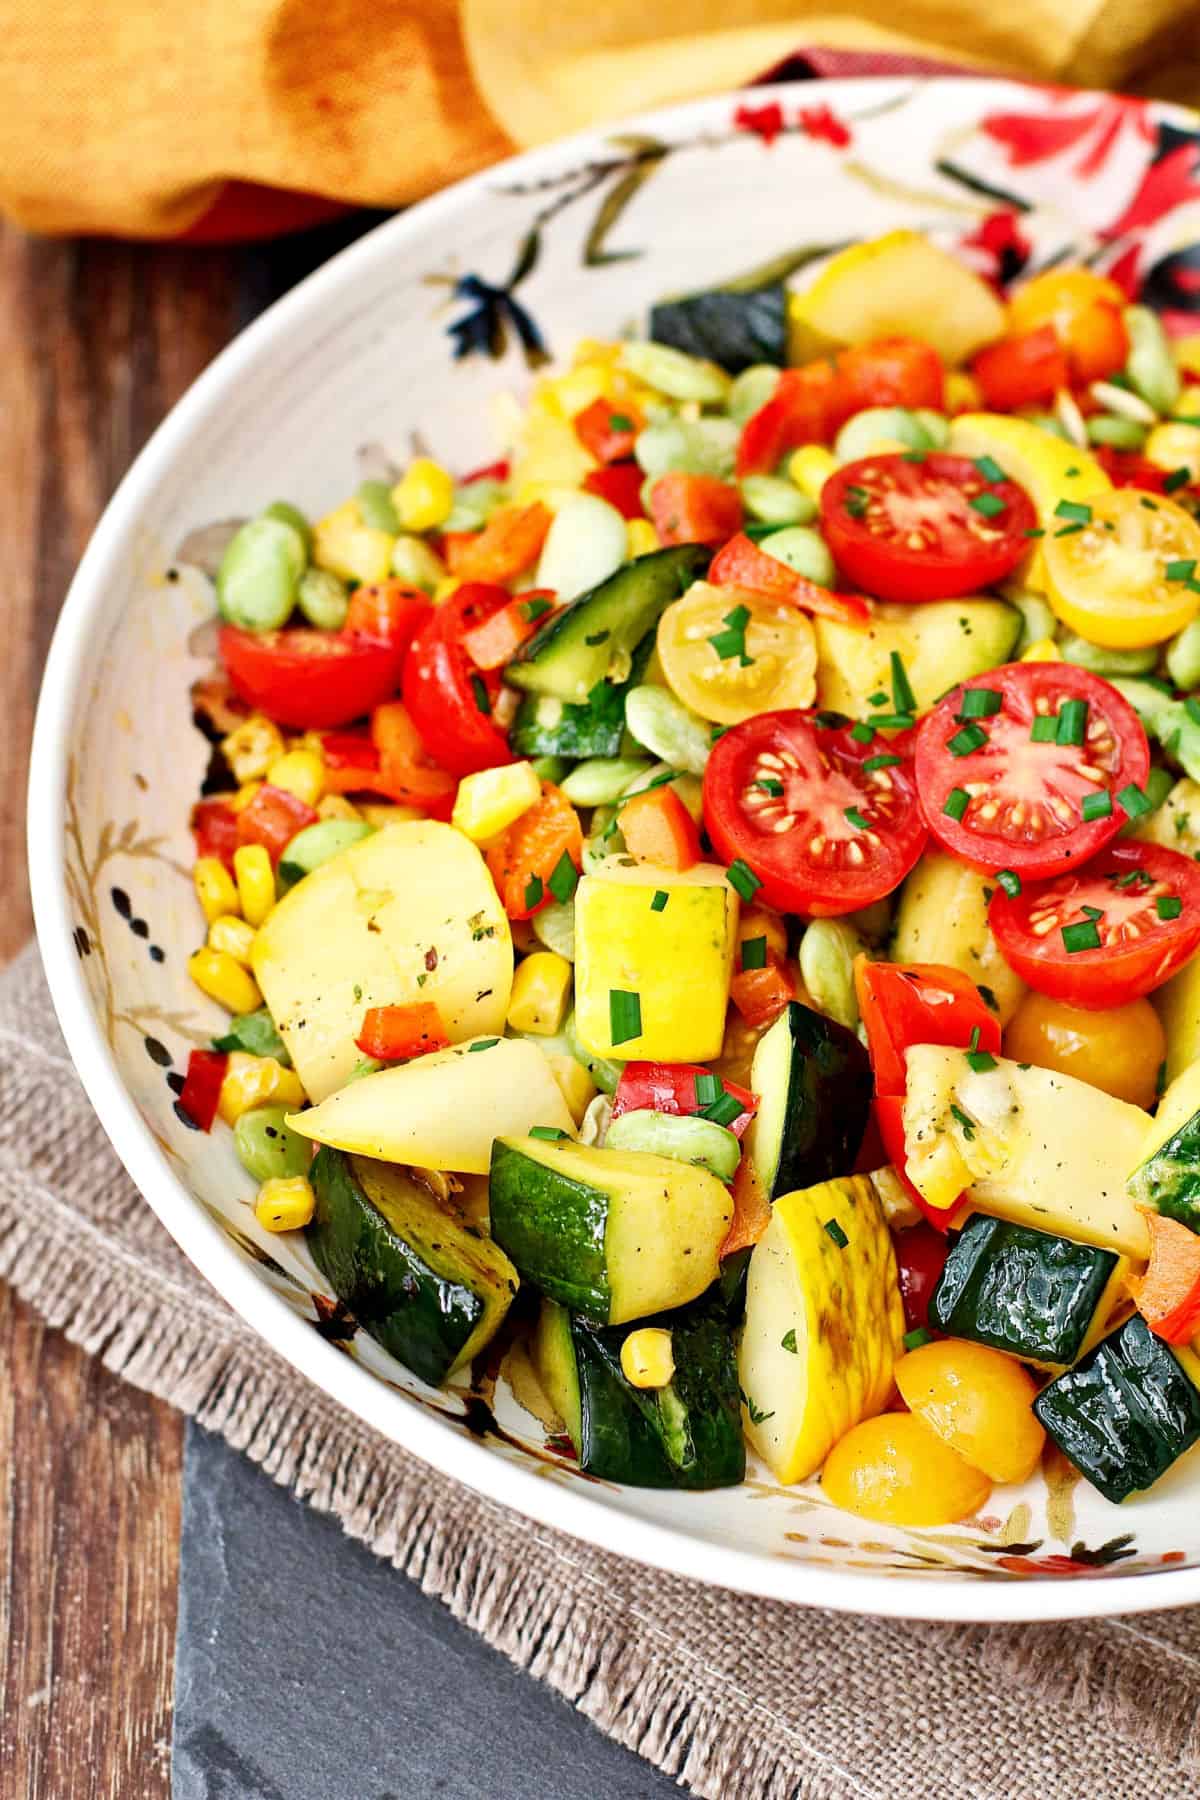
(1000, 790)
(1109, 932)
(907, 530)
(311, 679)
(826, 824)
(448, 699)
(920, 1258)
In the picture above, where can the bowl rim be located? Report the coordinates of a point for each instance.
(956, 1596)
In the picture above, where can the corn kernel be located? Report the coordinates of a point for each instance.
(299, 772)
(215, 888)
(256, 1081)
(216, 974)
(963, 393)
(1175, 447)
(240, 801)
(255, 880)
(285, 1203)
(541, 990)
(578, 1088)
(489, 801)
(810, 468)
(1044, 650)
(444, 589)
(234, 936)
(337, 806)
(413, 561)
(424, 495)
(647, 1359)
(251, 747)
(349, 548)
(640, 537)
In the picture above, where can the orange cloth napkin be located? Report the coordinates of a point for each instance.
(130, 116)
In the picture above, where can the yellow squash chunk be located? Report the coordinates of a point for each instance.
(901, 285)
(442, 1111)
(677, 959)
(824, 1324)
(1047, 467)
(578, 1088)
(895, 1470)
(943, 918)
(1177, 1003)
(978, 1401)
(1033, 1146)
(1180, 1103)
(540, 992)
(492, 799)
(854, 661)
(407, 914)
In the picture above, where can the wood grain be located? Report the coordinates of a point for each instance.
(97, 341)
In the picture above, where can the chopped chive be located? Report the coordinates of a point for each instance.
(1068, 530)
(534, 609)
(912, 1340)
(659, 902)
(1176, 479)
(971, 737)
(1036, 531)
(965, 1121)
(723, 1111)
(979, 703)
(1145, 500)
(483, 1044)
(987, 504)
(1074, 509)
(990, 469)
(620, 422)
(857, 501)
(1168, 906)
(836, 1233)
(1072, 722)
(788, 1341)
(1130, 879)
(1135, 802)
(483, 700)
(1044, 729)
(903, 698)
(879, 699)
(829, 721)
(855, 818)
(1097, 805)
(1083, 936)
(895, 721)
(717, 732)
(624, 1015)
(981, 1061)
(973, 1040)
(1181, 568)
(881, 762)
(769, 785)
(534, 890)
(743, 880)
(1092, 912)
(1010, 881)
(564, 879)
(956, 803)
(549, 1134)
(861, 732)
(754, 953)
(596, 638)
(709, 1087)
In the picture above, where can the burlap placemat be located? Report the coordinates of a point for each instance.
(742, 1699)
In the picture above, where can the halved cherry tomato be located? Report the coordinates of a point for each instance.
(272, 819)
(999, 796)
(920, 1258)
(730, 654)
(311, 679)
(525, 855)
(695, 509)
(214, 827)
(509, 543)
(1119, 572)
(1107, 933)
(1168, 1294)
(398, 1033)
(449, 700)
(887, 372)
(201, 1090)
(924, 530)
(607, 430)
(619, 483)
(800, 411)
(918, 1003)
(387, 612)
(745, 564)
(1084, 310)
(671, 1088)
(658, 828)
(407, 772)
(1027, 370)
(496, 640)
(825, 825)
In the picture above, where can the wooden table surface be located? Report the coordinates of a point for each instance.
(97, 341)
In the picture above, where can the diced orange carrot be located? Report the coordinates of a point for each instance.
(659, 829)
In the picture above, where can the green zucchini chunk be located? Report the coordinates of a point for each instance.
(316, 844)
(1125, 1413)
(429, 1288)
(1169, 1179)
(1028, 1292)
(546, 726)
(595, 636)
(813, 1080)
(734, 329)
(687, 1435)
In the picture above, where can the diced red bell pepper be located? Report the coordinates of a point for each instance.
(407, 773)
(695, 509)
(525, 855)
(509, 543)
(671, 1088)
(760, 995)
(1021, 371)
(800, 411)
(918, 1003)
(607, 431)
(493, 471)
(659, 829)
(272, 819)
(1168, 1294)
(920, 1258)
(497, 639)
(887, 372)
(201, 1090)
(215, 829)
(743, 563)
(620, 483)
(397, 1033)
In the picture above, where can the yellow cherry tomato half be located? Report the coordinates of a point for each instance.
(978, 1401)
(1120, 1050)
(729, 654)
(1106, 569)
(894, 1469)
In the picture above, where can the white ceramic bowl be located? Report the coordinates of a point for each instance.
(362, 353)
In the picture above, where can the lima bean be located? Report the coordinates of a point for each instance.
(259, 574)
(323, 599)
(267, 1147)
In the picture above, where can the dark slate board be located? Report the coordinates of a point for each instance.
(306, 1669)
